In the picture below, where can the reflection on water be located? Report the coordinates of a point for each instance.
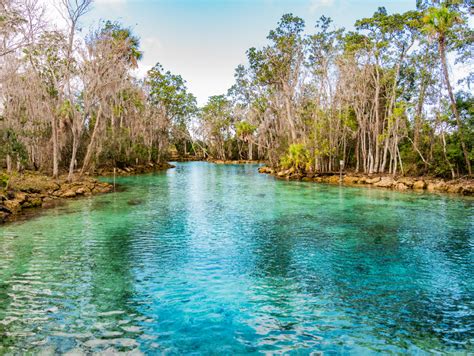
(207, 258)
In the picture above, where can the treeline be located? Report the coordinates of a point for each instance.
(73, 104)
(379, 97)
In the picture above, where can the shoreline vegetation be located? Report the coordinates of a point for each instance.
(461, 186)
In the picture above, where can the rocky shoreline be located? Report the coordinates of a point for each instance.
(32, 190)
(29, 190)
(458, 186)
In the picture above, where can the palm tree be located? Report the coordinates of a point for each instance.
(438, 22)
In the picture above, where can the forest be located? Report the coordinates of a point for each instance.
(381, 97)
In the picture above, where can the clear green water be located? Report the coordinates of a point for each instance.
(219, 259)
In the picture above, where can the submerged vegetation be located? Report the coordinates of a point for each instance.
(379, 97)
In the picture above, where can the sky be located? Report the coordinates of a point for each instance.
(205, 40)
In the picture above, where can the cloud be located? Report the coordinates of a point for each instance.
(317, 4)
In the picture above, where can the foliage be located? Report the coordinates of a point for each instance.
(297, 158)
(380, 97)
(375, 97)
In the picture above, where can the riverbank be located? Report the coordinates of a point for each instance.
(458, 186)
(132, 170)
(21, 193)
(34, 190)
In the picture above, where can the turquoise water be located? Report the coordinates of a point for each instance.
(212, 259)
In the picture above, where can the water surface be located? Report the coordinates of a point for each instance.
(220, 259)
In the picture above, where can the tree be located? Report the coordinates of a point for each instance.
(216, 123)
(168, 93)
(73, 10)
(112, 51)
(440, 22)
(279, 64)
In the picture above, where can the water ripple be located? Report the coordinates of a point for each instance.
(219, 259)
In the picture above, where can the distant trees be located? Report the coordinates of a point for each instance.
(167, 92)
(216, 126)
(379, 97)
(72, 104)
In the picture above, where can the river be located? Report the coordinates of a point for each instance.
(219, 259)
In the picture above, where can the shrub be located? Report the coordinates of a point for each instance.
(298, 158)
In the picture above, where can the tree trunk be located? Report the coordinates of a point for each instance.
(289, 114)
(90, 147)
(55, 147)
(453, 175)
(418, 117)
(9, 163)
(73, 156)
(442, 53)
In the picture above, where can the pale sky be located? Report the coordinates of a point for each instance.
(205, 40)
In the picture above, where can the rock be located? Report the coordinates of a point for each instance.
(32, 203)
(385, 182)
(419, 184)
(21, 197)
(265, 170)
(281, 174)
(351, 180)
(438, 186)
(81, 191)
(103, 188)
(3, 216)
(306, 179)
(13, 206)
(456, 188)
(362, 180)
(408, 182)
(31, 183)
(468, 189)
(372, 180)
(333, 179)
(68, 194)
(400, 186)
